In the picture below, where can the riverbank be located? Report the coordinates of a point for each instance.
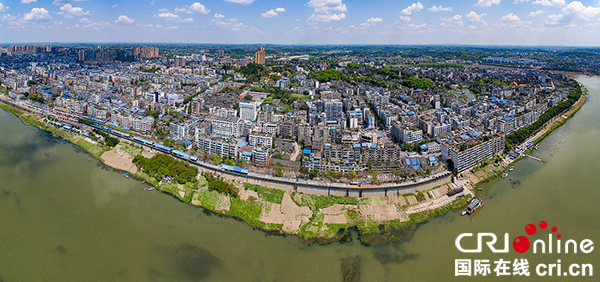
(311, 217)
(478, 175)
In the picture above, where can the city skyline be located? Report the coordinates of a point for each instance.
(314, 22)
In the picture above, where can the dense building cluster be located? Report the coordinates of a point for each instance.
(294, 111)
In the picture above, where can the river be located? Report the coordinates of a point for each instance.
(66, 217)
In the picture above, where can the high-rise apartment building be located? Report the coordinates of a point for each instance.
(248, 111)
(259, 56)
(81, 55)
(146, 52)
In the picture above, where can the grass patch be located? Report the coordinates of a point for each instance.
(170, 188)
(317, 202)
(189, 191)
(270, 195)
(130, 149)
(208, 199)
(418, 217)
(247, 211)
(142, 175)
(275, 226)
(312, 229)
(95, 150)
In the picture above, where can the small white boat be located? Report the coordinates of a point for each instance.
(512, 167)
(504, 175)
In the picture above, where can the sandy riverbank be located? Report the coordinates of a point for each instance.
(118, 159)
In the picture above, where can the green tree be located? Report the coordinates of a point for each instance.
(169, 142)
(278, 170)
(216, 159)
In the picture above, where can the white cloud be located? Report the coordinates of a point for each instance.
(87, 23)
(440, 9)
(232, 24)
(512, 20)
(553, 3)
(217, 15)
(124, 20)
(455, 20)
(272, 12)
(574, 12)
(62, 2)
(536, 13)
(114, 6)
(240, 1)
(326, 18)
(487, 3)
(168, 16)
(269, 14)
(68, 11)
(3, 8)
(474, 17)
(371, 22)
(406, 12)
(519, 1)
(173, 17)
(413, 8)
(8, 18)
(404, 18)
(198, 8)
(556, 19)
(28, 1)
(327, 10)
(37, 14)
(417, 26)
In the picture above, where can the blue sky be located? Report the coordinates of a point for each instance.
(487, 22)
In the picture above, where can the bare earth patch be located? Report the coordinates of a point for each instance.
(294, 215)
(120, 160)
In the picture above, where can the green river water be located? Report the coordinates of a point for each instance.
(66, 217)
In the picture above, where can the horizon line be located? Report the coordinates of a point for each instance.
(305, 44)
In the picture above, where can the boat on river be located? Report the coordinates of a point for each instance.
(511, 168)
(475, 204)
(504, 175)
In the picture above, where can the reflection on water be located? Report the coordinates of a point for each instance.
(66, 217)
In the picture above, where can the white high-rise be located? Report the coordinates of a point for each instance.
(248, 111)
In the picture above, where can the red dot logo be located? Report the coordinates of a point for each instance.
(530, 229)
(521, 244)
